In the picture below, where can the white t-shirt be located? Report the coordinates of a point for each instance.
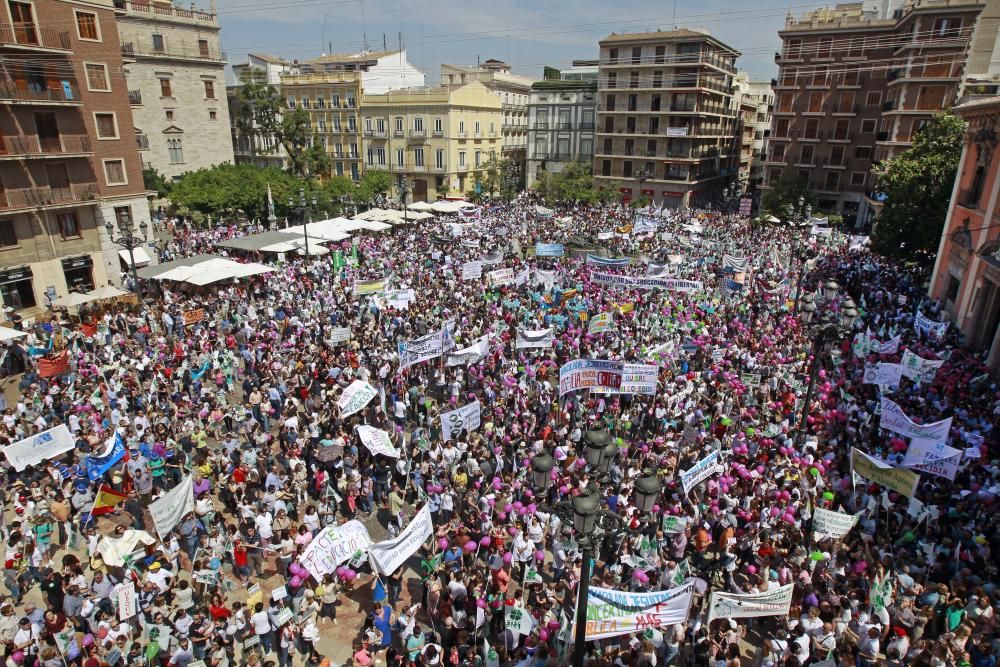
(261, 623)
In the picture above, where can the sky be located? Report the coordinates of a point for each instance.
(527, 34)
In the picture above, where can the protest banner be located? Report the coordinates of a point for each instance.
(737, 264)
(172, 506)
(421, 349)
(590, 374)
(113, 550)
(699, 472)
(549, 250)
(636, 379)
(900, 481)
(674, 524)
(113, 452)
(362, 287)
(472, 270)
(645, 282)
(500, 277)
(535, 338)
(377, 441)
(924, 325)
(546, 278)
(935, 458)
(600, 323)
(752, 605)
(518, 620)
(882, 373)
(332, 546)
(890, 346)
(339, 334)
(399, 298)
(41, 447)
(644, 223)
(389, 555)
(596, 260)
(128, 600)
(832, 524)
(357, 395)
(283, 616)
(471, 354)
(193, 316)
(466, 418)
(611, 613)
(919, 369)
(894, 419)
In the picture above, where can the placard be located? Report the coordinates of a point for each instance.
(500, 277)
(389, 555)
(900, 481)
(40, 447)
(339, 334)
(332, 546)
(832, 524)
(466, 417)
(753, 605)
(611, 613)
(357, 395)
(377, 441)
(699, 472)
(193, 316)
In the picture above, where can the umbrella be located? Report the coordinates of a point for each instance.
(106, 292)
(771, 218)
(7, 334)
(73, 299)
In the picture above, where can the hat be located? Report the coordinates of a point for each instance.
(155, 566)
(81, 486)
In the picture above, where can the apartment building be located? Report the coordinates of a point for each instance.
(756, 104)
(438, 138)
(561, 122)
(854, 85)
(175, 69)
(981, 77)
(966, 278)
(379, 71)
(513, 90)
(666, 117)
(332, 100)
(249, 145)
(68, 156)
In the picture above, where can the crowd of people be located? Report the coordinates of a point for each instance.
(245, 404)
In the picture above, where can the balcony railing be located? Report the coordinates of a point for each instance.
(135, 97)
(418, 134)
(47, 196)
(463, 167)
(29, 35)
(586, 126)
(142, 141)
(970, 197)
(20, 91)
(131, 50)
(163, 10)
(26, 145)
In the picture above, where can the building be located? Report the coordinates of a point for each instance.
(581, 70)
(981, 77)
(175, 69)
(250, 146)
(332, 100)
(438, 138)
(561, 121)
(854, 85)
(270, 68)
(68, 156)
(666, 118)
(966, 278)
(513, 91)
(379, 71)
(756, 104)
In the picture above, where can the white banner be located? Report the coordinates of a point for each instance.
(611, 613)
(699, 472)
(935, 458)
(172, 507)
(832, 524)
(546, 278)
(420, 349)
(923, 325)
(919, 369)
(890, 346)
(894, 419)
(332, 546)
(339, 335)
(518, 620)
(470, 355)
(500, 277)
(472, 270)
(521, 279)
(41, 447)
(738, 264)
(377, 441)
(387, 556)
(770, 603)
(635, 379)
(355, 398)
(882, 373)
(114, 549)
(600, 323)
(645, 223)
(128, 601)
(645, 282)
(466, 417)
(398, 298)
(535, 338)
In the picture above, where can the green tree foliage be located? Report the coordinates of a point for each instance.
(574, 183)
(154, 180)
(373, 183)
(917, 184)
(787, 190)
(492, 175)
(226, 188)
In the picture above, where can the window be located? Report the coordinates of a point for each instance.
(841, 129)
(658, 79)
(114, 172)
(837, 156)
(400, 157)
(210, 90)
(612, 79)
(633, 102)
(947, 27)
(438, 126)
(461, 158)
(851, 77)
(69, 225)
(811, 129)
(806, 156)
(606, 168)
(874, 98)
(203, 48)
(371, 155)
(86, 26)
(170, 114)
(857, 178)
(479, 159)
(832, 180)
(781, 127)
(461, 128)
(175, 151)
(824, 47)
(868, 125)
(158, 43)
(613, 56)
(165, 88)
(352, 124)
(380, 155)
(627, 168)
(97, 77)
(794, 48)
(846, 102)
(399, 124)
(107, 125)
(418, 157)
(477, 128)
(816, 102)
(8, 235)
(214, 115)
(863, 152)
(418, 124)
(636, 55)
(439, 159)
(660, 53)
(23, 18)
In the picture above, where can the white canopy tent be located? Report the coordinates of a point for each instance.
(7, 334)
(207, 269)
(74, 300)
(421, 206)
(107, 292)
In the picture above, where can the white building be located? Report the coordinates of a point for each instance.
(561, 117)
(263, 151)
(381, 71)
(272, 67)
(756, 101)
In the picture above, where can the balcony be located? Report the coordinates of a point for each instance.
(477, 135)
(66, 145)
(888, 105)
(970, 198)
(24, 92)
(29, 198)
(164, 10)
(462, 168)
(586, 126)
(461, 134)
(135, 98)
(564, 125)
(28, 36)
(131, 50)
(438, 132)
(514, 107)
(375, 134)
(440, 168)
(143, 142)
(418, 135)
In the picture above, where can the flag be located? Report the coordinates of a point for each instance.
(114, 451)
(106, 500)
(338, 261)
(54, 366)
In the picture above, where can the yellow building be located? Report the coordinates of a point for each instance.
(331, 98)
(437, 137)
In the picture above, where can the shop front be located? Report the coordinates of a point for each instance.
(79, 273)
(16, 289)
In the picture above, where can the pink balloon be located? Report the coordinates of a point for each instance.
(543, 634)
(295, 581)
(507, 558)
(508, 507)
(512, 531)
(350, 575)
(485, 541)
(442, 544)
(470, 546)
(502, 516)
(540, 556)
(563, 489)
(751, 569)
(481, 603)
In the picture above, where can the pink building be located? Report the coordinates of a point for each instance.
(966, 275)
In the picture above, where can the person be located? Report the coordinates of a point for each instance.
(382, 623)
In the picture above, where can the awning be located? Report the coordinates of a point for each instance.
(141, 256)
(7, 334)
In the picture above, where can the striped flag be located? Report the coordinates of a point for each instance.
(105, 501)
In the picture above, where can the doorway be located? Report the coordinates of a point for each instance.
(48, 132)
(419, 189)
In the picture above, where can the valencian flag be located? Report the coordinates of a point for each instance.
(106, 500)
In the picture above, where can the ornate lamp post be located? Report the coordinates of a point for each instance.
(301, 210)
(129, 240)
(404, 189)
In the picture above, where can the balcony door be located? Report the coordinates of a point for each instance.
(48, 132)
(24, 23)
(58, 177)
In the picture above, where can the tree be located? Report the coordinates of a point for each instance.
(154, 180)
(332, 189)
(574, 183)
(787, 190)
(226, 188)
(258, 109)
(917, 186)
(373, 183)
(492, 175)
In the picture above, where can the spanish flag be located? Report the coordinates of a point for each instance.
(106, 500)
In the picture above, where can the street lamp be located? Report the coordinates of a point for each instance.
(301, 210)
(826, 319)
(128, 240)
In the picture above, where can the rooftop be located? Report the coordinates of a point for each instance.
(661, 35)
(349, 58)
(560, 84)
(269, 59)
(984, 104)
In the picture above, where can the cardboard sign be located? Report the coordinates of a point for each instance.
(193, 316)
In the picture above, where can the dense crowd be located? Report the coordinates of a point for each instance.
(245, 404)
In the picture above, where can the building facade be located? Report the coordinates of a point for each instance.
(175, 69)
(252, 147)
(836, 114)
(438, 138)
(666, 117)
(966, 278)
(756, 104)
(68, 156)
(379, 71)
(332, 100)
(561, 121)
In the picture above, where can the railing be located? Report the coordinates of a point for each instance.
(135, 97)
(440, 167)
(687, 59)
(67, 92)
(33, 145)
(882, 136)
(888, 105)
(541, 125)
(48, 196)
(29, 35)
(163, 10)
(142, 141)
(131, 50)
(586, 126)
(418, 134)
(439, 133)
(970, 197)
(564, 125)
(463, 167)
(514, 107)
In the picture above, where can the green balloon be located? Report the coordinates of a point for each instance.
(827, 495)
(814, 472)
(816, 555)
